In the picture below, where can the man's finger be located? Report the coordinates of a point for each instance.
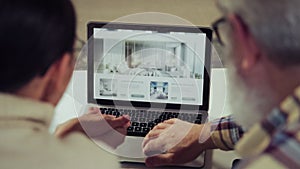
(153, 146)
(119, 122)
(122, 130)
(108, 117)
(154, 133)
(170, 121)
(150, 136)
(161, 126)
(159, 160)
(93, 110)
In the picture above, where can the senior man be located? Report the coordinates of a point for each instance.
(262, 44)
(37, 61)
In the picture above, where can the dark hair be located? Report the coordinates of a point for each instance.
(33, 35)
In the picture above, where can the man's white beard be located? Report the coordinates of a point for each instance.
(248, 105)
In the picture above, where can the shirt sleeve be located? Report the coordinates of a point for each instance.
(225, 133)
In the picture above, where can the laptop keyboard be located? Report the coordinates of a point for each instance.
(142, 121)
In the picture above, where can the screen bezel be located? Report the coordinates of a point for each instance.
(161, 29)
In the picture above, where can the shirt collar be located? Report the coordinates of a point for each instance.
(20, 108)
(257, 139)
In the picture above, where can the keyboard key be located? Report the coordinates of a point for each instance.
(130, 128)
(147, 115)
(145, 129)
(163, 116)
(143, 124)
(175, 115)
(137, 134)
(138, 129)
(199, 116)
(151, 125)
(171, 116)
(197, 121)
(141, 119)
(133, 118)
(135, 124)
(157, 121)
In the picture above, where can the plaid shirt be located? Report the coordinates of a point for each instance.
(272, 143)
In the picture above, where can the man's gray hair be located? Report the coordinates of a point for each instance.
(275, 25)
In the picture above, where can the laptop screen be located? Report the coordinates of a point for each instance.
(148, 64)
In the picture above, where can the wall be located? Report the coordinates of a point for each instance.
(198, 12)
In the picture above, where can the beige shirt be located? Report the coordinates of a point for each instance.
(26, 143)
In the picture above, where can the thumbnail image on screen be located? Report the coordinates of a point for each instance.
(159, 90)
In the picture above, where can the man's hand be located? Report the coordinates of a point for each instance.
(176, 142)
(105, 128)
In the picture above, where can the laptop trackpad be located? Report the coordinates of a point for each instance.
(131, 148)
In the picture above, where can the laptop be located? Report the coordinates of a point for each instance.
(151, 73)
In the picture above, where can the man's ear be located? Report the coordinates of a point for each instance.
(59, 75)
(64, 68)
(248, 52)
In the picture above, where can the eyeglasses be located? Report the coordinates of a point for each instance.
(78, 47)
(216, 28)
(79, 44)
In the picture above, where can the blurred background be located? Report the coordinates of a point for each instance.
(198, 12)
